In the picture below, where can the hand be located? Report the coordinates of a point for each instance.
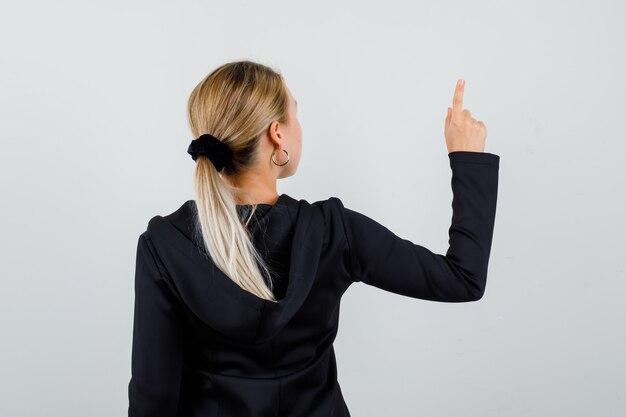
(462, 131)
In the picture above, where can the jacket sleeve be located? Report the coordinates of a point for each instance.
(380, 258)
(156, 366)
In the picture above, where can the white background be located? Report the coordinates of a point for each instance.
(94, 139)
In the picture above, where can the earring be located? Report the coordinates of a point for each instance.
(280, 165)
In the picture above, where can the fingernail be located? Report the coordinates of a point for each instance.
(462, 82)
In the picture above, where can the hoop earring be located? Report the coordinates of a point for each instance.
(280, 165)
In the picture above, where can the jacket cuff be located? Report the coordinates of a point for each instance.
(474, 157)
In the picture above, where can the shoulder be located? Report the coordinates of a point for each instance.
(330, 203)
(331, 208)
(333, 213)
(165, 231)
(182, 219)
(328, 209)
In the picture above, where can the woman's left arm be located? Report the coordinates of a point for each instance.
(154, 386)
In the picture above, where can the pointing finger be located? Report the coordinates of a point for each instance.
(457, 101)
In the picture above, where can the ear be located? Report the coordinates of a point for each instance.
(274, 132)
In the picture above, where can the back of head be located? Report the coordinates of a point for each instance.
(236, 103)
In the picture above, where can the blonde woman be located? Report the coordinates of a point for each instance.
(237, 292)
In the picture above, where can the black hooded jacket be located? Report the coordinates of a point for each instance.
(203, 346)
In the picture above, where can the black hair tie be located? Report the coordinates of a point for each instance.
(208, 145)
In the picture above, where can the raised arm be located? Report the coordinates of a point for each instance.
(157, 341)
(382, 259)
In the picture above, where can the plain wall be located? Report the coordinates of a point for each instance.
(94, 139)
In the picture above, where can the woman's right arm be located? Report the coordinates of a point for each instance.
(380, 258)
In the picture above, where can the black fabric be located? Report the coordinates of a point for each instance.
(203, 346)
(208, 145)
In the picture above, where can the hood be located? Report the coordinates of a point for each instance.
(217, 300)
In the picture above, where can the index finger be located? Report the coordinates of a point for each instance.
(457, 100)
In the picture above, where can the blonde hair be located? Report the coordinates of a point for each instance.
(236, 103)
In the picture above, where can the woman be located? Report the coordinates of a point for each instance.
(237, 292)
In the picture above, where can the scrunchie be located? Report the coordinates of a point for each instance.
(208, 145)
